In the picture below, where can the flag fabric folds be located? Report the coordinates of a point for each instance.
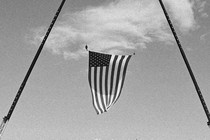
(106, 78)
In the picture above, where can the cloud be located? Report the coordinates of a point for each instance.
(183, 13)
(205, 37)
(116, 26)
(200, 5)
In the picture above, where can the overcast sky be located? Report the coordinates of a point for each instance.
(158, 101)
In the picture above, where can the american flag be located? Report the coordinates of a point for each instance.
(106, 78)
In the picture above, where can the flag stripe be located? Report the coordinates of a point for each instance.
(124, 74)
(92, 92)
(96, 89)
(113, 94)
(121, 67)
(118, 77)
(101, 94)
(106, 84)
(112, 75)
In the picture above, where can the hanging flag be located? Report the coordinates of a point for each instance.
(106, 78)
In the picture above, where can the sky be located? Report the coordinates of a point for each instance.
(158, 100)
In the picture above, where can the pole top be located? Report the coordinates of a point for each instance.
(86, 47)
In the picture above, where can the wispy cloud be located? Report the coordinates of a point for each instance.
(116, 26)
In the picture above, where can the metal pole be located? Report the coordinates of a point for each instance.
(187, 63)
(6, 118)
